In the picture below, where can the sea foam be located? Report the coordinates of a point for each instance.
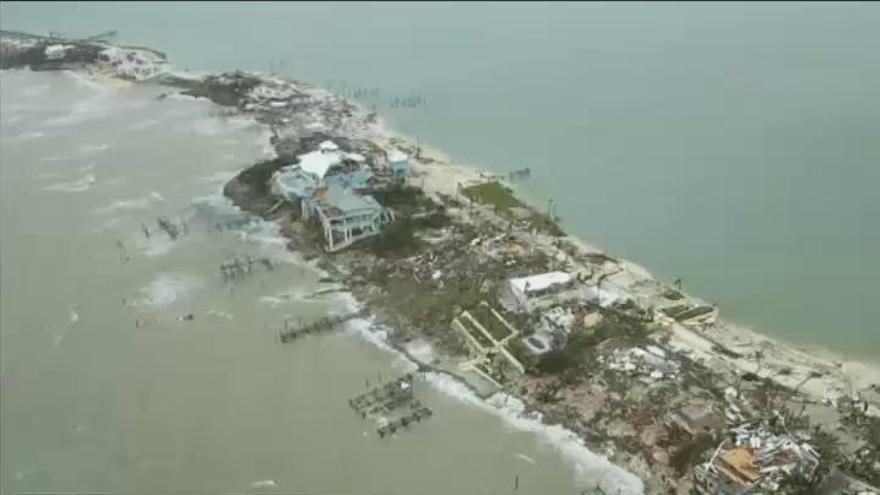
(590, 468)
(165, 289)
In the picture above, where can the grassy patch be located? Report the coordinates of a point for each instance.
(484, 315)
(502, 201)
(495, 194)
(406, 200)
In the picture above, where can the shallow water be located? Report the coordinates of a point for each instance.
(107, 389)
(734, 145)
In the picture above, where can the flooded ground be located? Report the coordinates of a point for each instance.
(130, 366)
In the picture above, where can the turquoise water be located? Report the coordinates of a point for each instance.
(735, 145)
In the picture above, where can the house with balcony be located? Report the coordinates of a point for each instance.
(347, 217)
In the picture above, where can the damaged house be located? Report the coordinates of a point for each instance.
(323, 183)
(325, 166)
(330, 165)
(756, 464)
(347, 217)
(696, 419)
(536, 291)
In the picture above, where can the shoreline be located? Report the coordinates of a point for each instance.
(722, 349)
(866, 372)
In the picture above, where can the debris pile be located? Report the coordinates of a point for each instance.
(650, 363)
(760, 454)
(128, 63)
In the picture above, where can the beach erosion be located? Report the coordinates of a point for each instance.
(717, 346)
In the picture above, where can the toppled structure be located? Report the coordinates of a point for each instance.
(759, 460)
(487, 340)
(695, 419)
(651, 363)
(138, 64)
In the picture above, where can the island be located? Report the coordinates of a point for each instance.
(450, 258)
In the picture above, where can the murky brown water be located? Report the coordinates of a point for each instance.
(94, 401)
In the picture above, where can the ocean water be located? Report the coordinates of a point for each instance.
(108, 387)
(735, 145)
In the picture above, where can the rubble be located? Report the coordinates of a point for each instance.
(649, 363)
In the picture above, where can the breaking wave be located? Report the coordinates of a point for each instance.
(165, 289)
(80, 112)
(78, 185)
(35, 90)
(29, 136)
(589, 467)
(130, 204)
(142, 125)
(93, 148)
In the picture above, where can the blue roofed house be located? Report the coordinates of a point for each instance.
(324, 182)
(347, 217)
(327, 165)
(297, 186)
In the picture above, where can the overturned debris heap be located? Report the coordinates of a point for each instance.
(758, 459)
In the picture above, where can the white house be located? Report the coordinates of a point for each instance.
(330, 164)
(526, 290)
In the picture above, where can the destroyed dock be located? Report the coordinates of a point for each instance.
(290, 333)
(392, 405)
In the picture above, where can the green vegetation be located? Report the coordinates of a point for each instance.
(484, 315)
(405, 200)
(503, 201)
(475, 332)
(436, 220)
(581, 345)
(690, 452)
(495, 194)
(397, 239)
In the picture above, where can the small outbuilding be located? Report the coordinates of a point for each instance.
(398, 163)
